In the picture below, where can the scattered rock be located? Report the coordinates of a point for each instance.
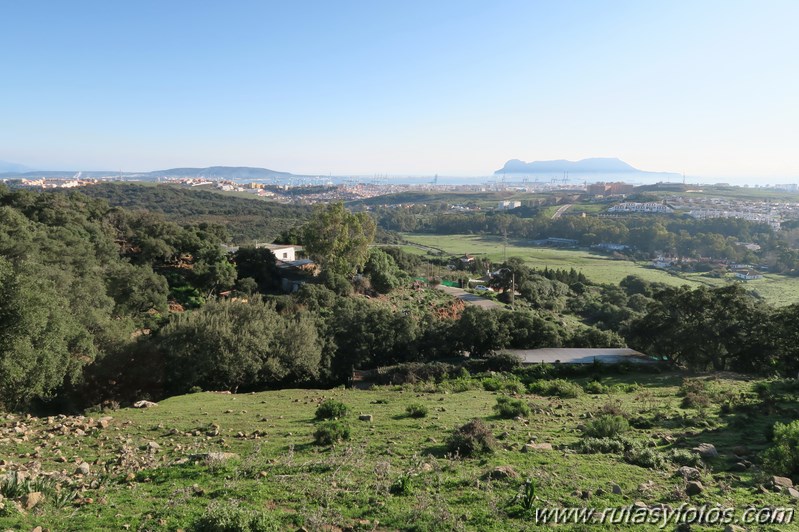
(501, 473)
(83, 469)
(215, 456)
(706, 450)
(781, 482)
(529, 447)
(689, 473)
(153, 446)
(616, 489)
(794, 493)
(365, 417)
(32, 499)
(740, 450)
(738, 467)
(144, 404)
(694, 488)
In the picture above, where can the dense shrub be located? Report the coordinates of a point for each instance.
(413, 372)
(331, 409)
(416, 410)
(606, 426)
(600, 445)
(556, 387)
(503, 362)
(510, 408)
(695, 386)
(783, 456)
(645, 457)
(695, 400)
(595, 387)
(614, 408)
(472, 439)
(509, 384)
(684, 457)
(330, 432)
(231, 518)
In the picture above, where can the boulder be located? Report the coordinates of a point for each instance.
(83, 469)
(616, 489)
(501, 473)
(144, 404)
(365, 417)
(694, 488)
(794, 493)
(689, 473)
(706, 450)
(781, 482)
(32, 499)
(529, 447)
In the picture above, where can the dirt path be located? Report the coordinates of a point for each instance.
(561, 210)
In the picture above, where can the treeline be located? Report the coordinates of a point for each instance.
(646, 235)
(315, 337)
(80, 278)
(246, 220)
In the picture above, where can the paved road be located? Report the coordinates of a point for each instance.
(561, 210)
(471, 299)
(580, 355)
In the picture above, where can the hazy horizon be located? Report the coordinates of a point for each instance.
(450, 88)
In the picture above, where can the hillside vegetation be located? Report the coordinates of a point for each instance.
(210, 461)
(246, 220)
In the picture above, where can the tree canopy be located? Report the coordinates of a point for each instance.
(339, 240)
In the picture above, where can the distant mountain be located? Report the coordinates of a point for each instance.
(220, 172)
(7, 167)
(212, 172)
(592, 165)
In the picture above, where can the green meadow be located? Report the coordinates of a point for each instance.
(776, 289)
(162, 468)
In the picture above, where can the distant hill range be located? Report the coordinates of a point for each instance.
(212, 172)
(607, 165)
(6, 166)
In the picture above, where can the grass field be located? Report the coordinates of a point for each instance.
(599, 268)
(776, 289)
(150, 469)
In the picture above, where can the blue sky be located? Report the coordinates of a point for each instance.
(708, 88)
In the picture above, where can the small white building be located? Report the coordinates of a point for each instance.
(748, 275)
(284, 252)
(508, 205)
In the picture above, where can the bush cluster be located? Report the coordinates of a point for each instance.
(472, 439)
(331, 409)
(509, 408)
(606, 426)
(416, 410)
(782, 457)
(331, 431)
(556, 387)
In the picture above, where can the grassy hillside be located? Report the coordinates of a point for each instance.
(161, 468)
